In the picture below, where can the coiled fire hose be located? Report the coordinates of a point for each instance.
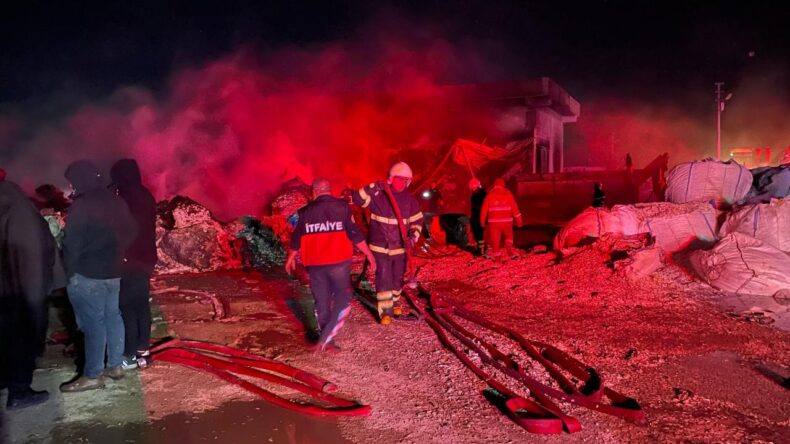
(228, 364)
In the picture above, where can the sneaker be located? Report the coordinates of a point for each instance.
(129, 363)
(385, 320)
(142, 361)
(114, 373)
(83, 384)
(28, 399)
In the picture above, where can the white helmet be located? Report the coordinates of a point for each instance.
(401, 169)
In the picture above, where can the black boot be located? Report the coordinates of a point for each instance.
(26, 398)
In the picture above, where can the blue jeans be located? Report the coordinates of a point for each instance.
(95, 303)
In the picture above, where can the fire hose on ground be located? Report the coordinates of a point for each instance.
(229, 364)
(541, 415)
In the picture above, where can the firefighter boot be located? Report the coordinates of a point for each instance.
(399, 306)
(384, 306)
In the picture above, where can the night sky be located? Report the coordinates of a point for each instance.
(650, 50)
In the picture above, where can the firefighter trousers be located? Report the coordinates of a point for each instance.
(389, 281)
(496, 232)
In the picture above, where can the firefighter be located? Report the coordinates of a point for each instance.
(325, 236)
(384, 236)
(497, 215)
(476, 200)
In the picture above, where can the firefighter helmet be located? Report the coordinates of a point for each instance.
(401, 169)
(475, 184)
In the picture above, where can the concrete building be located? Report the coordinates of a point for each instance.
(535, 108)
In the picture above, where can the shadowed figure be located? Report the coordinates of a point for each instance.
(27, 255)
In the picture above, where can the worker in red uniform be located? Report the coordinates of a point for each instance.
(384, 236)
(325, 236)
(497, 215)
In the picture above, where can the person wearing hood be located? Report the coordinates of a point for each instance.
(27, 254)
(99, 228)
(140, 262)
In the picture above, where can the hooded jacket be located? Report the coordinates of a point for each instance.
(126, 179)
(99, 226)
(27, 254)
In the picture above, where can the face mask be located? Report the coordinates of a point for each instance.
(399, 183)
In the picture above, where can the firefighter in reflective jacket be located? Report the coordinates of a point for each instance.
(497, 215)
(325, 235)
(384, 236)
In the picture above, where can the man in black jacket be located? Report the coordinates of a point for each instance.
(140, 262)
(98, 230)
(27, 254)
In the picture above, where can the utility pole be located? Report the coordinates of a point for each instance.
(719, 106)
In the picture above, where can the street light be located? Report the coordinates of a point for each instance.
(720, 101)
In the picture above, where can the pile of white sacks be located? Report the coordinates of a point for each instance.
(737, 247)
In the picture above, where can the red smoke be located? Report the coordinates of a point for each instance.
(609, 129)
(229, 133)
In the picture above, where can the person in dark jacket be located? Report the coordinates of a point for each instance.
(326, 236)
(99, 229)
(476, 203)
(599, 195)
(385, 239)
(27, 254)
(140, 262)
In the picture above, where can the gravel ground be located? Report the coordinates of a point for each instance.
(697, 371)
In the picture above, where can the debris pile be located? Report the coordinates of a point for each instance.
(263, 247)
(742, 250)
(190, 239)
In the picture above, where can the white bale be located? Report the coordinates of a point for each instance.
(677, 226)
(769, 222)
(706, 180)
(743, 265)
(588, 223)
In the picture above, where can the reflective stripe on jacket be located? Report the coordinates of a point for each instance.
(384, 235)
(499, 206)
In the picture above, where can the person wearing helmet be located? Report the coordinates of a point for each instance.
(498, 212)
(476, 199)
(384, 236)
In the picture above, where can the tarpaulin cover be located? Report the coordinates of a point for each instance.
(706, 180)
(477, 154)
(769, 183)
(743, 265)
(769, 222)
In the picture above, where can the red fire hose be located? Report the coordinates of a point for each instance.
(227, 362)
(542, 415)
